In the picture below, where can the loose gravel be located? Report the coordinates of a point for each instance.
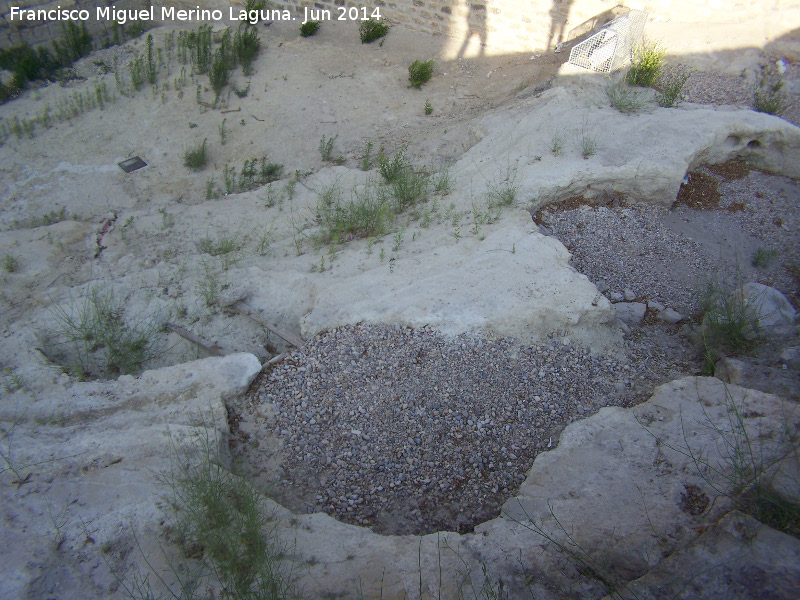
(408, 431)
(673, 255)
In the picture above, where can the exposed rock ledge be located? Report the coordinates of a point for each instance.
(620, 483)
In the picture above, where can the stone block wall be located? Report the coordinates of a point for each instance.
(34, 33)
(499, 25)
(527, 25)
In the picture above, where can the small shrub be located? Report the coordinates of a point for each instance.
(672, 87)
(222, 522)
(557, 145)
(728, 325)
(762, 257)
(309, 28)
(93, 339)
(371, 30)
(219, 74)
(409, 188)
(326, 147)
(392, 168)
(10, 263)
(588, 142)
(624, 99)
(224, 245)
(246, 46)
(420, 72)
(196, 158)
(366, 214)
(428, 107)
(768, 95)
(647, 65)
(503, 192)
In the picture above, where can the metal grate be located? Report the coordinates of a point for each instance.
(132, 164)
(611, 47)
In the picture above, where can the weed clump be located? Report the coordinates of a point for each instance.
(196, 158)
(647, 65)
(624, 99)
(671, 90)
(371, 30)
(10, 263)
(92, 338)
(221, 522)
(768, 95)
(392, 169)
(246, 46)
(366, 214)
(309, 28)
(420, 72)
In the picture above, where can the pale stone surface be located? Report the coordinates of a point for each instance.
(630, 313)
(770, 310)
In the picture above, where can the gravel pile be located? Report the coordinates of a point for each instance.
(672, 255)
(407, 431)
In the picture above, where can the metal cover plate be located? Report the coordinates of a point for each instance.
(132, 164)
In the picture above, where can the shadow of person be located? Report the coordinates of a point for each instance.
(476, 26)
(559, 13)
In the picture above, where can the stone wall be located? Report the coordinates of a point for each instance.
(526, 25)
(490, 25)
(38, 32)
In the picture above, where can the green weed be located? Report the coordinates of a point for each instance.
(420, 72)
(326, 147)
(557, 144)
(392, 168)
(371, 30)
(762, 257)
(428, 107)
(647, 65)
(624, 99)
(672, 87)
(309, 28)
(94, 339)
(10, 263)
(196, 158)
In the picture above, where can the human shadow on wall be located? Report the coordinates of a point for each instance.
(476, 25)
(559, 14)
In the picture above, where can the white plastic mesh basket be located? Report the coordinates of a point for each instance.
(611, 47)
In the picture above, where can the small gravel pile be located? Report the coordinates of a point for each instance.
(407, 431)
(672, 255)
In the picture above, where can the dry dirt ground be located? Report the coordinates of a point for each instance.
(74, 222)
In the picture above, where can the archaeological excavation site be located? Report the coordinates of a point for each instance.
(424, 300)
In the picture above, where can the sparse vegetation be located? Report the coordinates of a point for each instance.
(371, 30)
(309, 28)
(196, 158)
(647, 65)
(392, 168)
(10, 263)
(728, 326)
(746, 461)
(502, 191)
(93, 339)
(420, 72)
(326, 147)
(762, 257)
(624, 99)
(768, 97)
(221, 523)
(557, 144)
(588, 141)
(365, 214)
(671, 89)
